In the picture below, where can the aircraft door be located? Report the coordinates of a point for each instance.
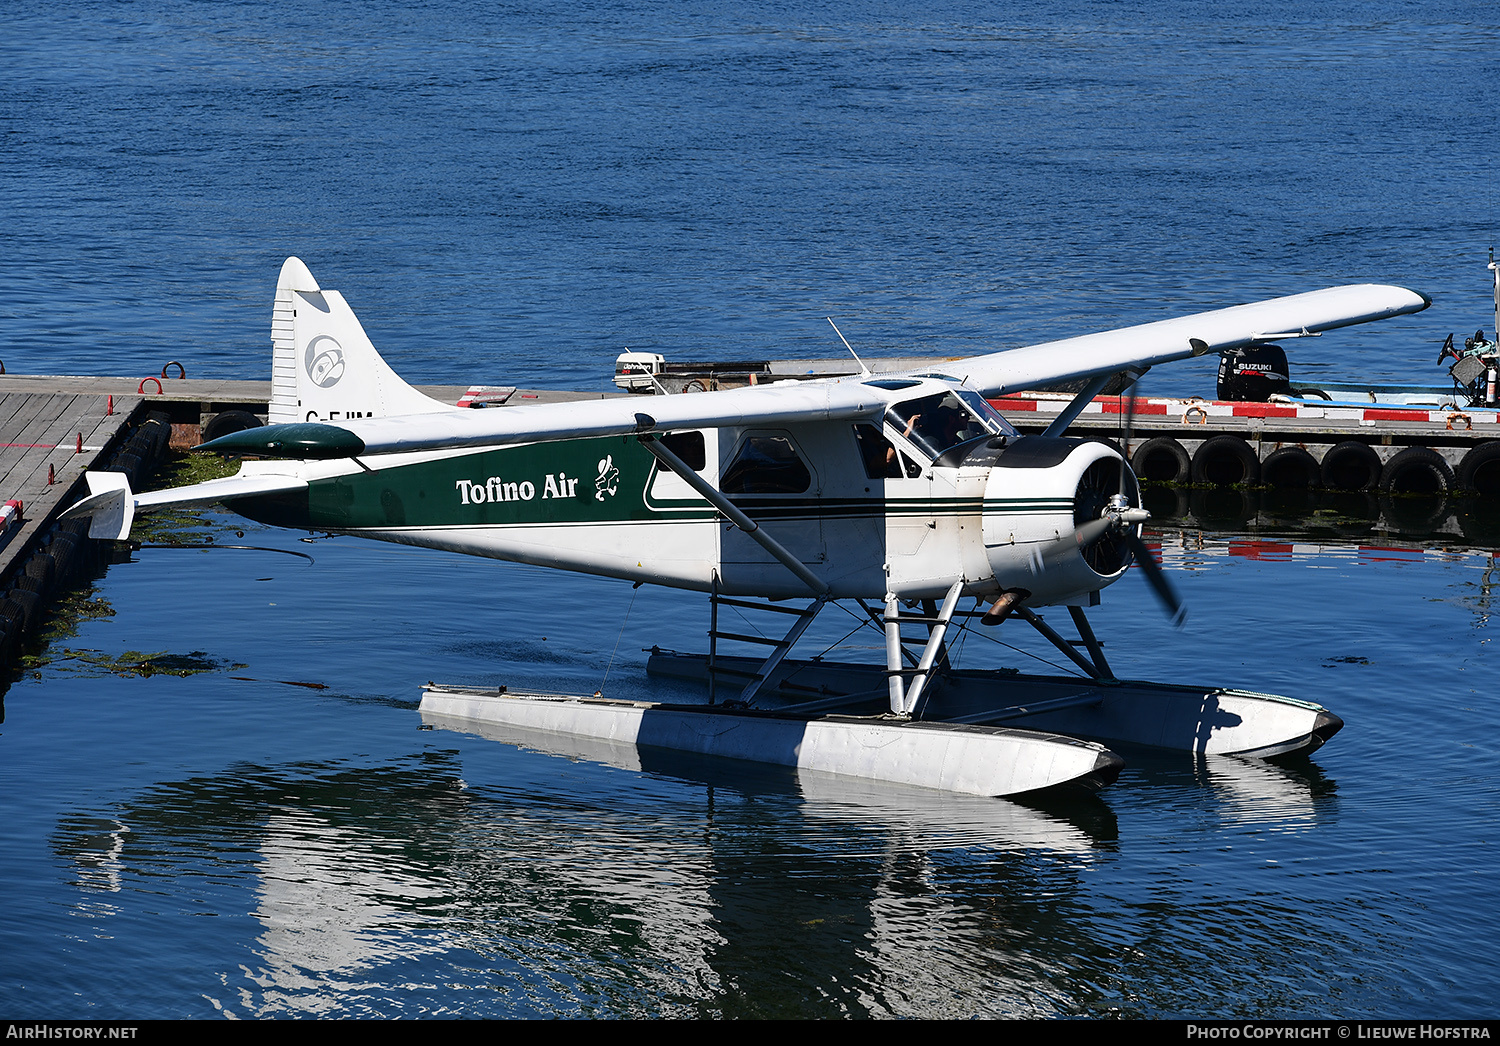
(768, 475)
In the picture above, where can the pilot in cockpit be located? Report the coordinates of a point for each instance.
(937, 426)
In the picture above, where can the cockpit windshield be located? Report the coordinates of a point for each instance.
(937, 424)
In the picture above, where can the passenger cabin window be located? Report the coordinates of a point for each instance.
(766, 465)
(689, 447)
(936, 424)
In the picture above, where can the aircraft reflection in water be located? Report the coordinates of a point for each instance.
(906, 491)
(678, 894)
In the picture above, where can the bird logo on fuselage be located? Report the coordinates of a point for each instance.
(609, 478)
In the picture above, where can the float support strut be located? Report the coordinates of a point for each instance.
(1092, 644)
(893, 662)
(1058, 641)
(906, 701)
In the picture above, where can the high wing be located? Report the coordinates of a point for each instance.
(1146, 345)
(1089, 355)
(785, 404)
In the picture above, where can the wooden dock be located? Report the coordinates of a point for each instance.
(47, 442)
(54, 428)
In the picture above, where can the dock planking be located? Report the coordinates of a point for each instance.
(39, 438)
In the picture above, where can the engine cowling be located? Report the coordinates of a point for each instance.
(1040, 491)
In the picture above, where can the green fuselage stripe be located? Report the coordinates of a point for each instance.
(569, 482)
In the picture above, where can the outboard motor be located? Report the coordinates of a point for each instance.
(1254, 373)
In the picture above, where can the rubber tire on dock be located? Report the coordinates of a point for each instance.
(1226, 461)
(1162, 460)
(230, 421)
(1479, 471)
(63, 548)
(1416, 470)
(1351, 465)
(41, 567)
(1291, 468)
(24, 610)
(129, 463)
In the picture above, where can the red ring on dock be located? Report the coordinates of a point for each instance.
(141, 388)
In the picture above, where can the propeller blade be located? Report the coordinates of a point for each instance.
(1157, 578)
(1064, 545)
(1087, 534)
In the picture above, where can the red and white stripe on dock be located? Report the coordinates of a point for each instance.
(1193, 411)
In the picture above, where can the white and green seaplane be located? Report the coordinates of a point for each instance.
(904, 494)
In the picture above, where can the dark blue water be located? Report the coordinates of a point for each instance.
(515, 194)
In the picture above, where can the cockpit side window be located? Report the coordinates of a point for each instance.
(688, 446)
(766, 464)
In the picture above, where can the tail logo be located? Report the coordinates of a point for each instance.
(324, 361)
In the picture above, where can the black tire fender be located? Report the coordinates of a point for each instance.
(25, 609)
(230, 421)
(1479, 471)
(1291, 468)
(41, 567)
(1416, 470)
(1351, 465)
(1226, 461)
(1162, 460)
(62, 548)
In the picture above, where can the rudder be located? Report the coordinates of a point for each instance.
(323, 365)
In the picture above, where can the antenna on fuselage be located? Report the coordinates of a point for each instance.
(862, 368)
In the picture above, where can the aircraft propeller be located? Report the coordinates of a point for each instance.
(1106, 524)
(1155, 576)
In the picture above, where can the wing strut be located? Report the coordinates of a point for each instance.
(1083, 399)
(717, 499)
(1086, 396)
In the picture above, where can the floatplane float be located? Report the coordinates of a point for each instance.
(905, 495)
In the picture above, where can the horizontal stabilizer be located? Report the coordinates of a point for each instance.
(111, 506)
(216, 490)
(110, 509)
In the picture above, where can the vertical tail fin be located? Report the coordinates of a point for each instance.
(323, 366)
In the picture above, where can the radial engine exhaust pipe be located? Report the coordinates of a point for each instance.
(1001, 608)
